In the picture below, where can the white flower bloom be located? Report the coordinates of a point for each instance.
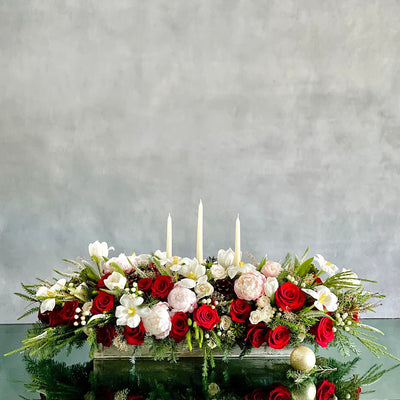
(271, 286)
(162, 257)
(129, 312)
(175, 264)
(81, 292)
(233, 270)
(326, 266)
(48, 295)
(115, 281)
(203, 288)
(263, 301)
(193, 272)
(218, 271)
(226, 322)
(87, 307)
(352, 278)
(256, 317)
(324, 297)
(157, 321)
(99, 250)
(225, 257)
(267, 313)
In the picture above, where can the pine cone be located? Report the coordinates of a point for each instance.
(224, 286)
(132, 277)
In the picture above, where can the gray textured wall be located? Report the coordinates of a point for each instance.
(113, 114)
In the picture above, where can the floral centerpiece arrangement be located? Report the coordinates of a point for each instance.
(173, 303)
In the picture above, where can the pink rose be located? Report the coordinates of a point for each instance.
(271, 269)
(182, 299)
(122, 261)
(158, 321)
(250, 285)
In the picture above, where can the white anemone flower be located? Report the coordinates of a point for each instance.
(129, 312)
(324, 298)
(48, 294)
(326, 266)
(233, 270)
(194, 273)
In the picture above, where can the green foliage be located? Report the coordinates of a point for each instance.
(165, 349)
(344, 344)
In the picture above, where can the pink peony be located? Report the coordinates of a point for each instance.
(271, 269)
(182, 299)
(158, 321)
(250, 285)
(122, 261)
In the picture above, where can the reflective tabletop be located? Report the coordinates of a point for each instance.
(17, 374)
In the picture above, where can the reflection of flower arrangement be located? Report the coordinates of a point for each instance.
(330, 380)
(175, 303)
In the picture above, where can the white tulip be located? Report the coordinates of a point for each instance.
(99, 250)
(225, 257)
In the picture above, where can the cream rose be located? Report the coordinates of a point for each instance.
(218, 271)
(256, 317)
(250, 285)
(263, 301)
(182, 299)
(158, 322)
(204, 289)
(225, 323)
(272, 269)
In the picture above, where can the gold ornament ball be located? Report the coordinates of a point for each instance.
(302, 359)
(304, 392)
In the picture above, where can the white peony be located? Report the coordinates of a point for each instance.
(182, 299)
(129, 312)
(271, 286)
(158, 322)
(218, 271)
(115, 281)
(225, 257)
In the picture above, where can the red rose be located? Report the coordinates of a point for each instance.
(278, 392)
(355, 316)
(135, 336)
(257, 394)
(278, 338)
(289, 297)
(317, 280)
(100, 283)
(179, 327)
(144, 284)
(105, 334)
(206, 317)
(105, 393)
(44, 318)
(161, 287)
(326, 390)
(256, 334)
(323, 332)
(358, 391)
(54, 317)
(102, 302)
(68, 311)
(240, 310)
(136, 397)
